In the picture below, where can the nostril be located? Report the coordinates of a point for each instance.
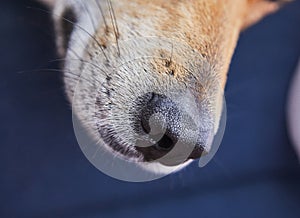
(159, 118)
(166, 143)
(153, 96)
(161, 109)
(151, 106)
(145, 125)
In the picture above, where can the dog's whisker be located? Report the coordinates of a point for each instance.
(81, 61)
(38, 70)
(89, 15)
(114, 18)
(79, 27)
(114, 24)
(75, 53)
(102, 14)
(59, 71)
(78, 77)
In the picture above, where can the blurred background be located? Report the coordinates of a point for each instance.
(44, 173)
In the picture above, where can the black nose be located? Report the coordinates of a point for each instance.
(161, 119)
(161, 115)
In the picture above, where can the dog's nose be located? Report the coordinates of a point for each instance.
(161, 119)
(161, 115)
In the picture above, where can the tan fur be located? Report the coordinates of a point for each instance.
(212, 27)
(209, 30)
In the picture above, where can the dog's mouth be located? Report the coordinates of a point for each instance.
(155, 152)
(150, 153)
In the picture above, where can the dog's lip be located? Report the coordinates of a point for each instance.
(138, 152)
(135, 152)
(201, 148)
(118, 147)
(155, 153)
(197, 152)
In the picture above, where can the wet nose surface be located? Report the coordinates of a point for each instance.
(161, 119)
(161, 115)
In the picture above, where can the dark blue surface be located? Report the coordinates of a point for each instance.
(44, 174)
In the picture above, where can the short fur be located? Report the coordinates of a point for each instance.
(209, 28)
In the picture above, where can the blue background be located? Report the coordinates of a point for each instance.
(44, 173)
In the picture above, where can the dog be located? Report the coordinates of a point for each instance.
(141, 72)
